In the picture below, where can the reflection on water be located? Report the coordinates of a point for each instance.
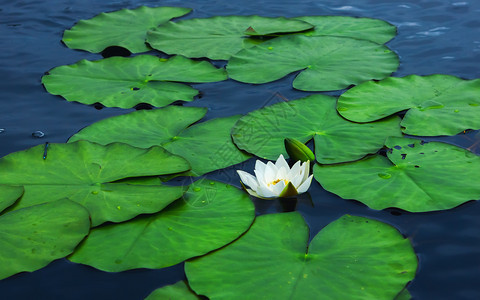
(433, 37)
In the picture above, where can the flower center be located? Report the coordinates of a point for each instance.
(277, 181)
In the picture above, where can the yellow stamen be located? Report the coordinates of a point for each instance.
(277, 181)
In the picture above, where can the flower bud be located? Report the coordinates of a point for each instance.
(298, 151)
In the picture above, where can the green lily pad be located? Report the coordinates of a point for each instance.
(218, 37)
(351, 258)
(125, 28)
(32, 237)
(262, 132)
(207, 145)
(9, 195)
(414, 176)
(326, 62)
(85, 172)
(375, 30)
(177, 291)
(210, 215)
(125, 82)
(437, 104)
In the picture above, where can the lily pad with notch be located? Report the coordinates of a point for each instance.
(207, 145)
(32, 237)
(414, 176)
(9, 195)
(437, 104)
(326, 63)
(262, 132)
(375, 30)
(219, 37)
(125, 28)
(275, 251)
(86, 172)
(210, 215)
(125, 82)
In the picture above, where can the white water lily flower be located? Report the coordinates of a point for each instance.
(277, 180)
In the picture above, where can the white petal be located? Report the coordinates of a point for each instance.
(306, 168)
(278, 188)
(270, 172)
(281, 162)
(305, 185)
(264, 190)
(281, 173)
(248, 179)
(297, 180)
(295, 170)
(260, 168)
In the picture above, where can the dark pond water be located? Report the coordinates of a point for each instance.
(433, 37)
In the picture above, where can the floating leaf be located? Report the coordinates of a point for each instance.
(32, 237)
(125, 28)
(414, 176)
(218, 37)
(437, 104)
(207, 146)
(210, 215)
(262, 132)
(375, 30)
(9, 195)
(85, 173)
(351, 258)
(177, 291)
(326, 63)
(126, 82)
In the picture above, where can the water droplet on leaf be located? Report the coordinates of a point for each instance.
(384, 175)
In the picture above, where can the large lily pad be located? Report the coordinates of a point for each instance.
(179, 290)
(374, 30)
(207, 146)
(126, 82)
(351, 258)
(218, 37)
(210, 215)
(437, 104)
(9, 195)
(32, 237)
(125, 28)
(262, 132)
(86, 172)
(414, 176)
(326, 62)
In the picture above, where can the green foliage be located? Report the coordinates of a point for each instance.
(375, 30)
(326, 62)
(9, 195)
(32, 237)
(126, 82)
(207, 145)
(262, 132)
(126, 28)
(415, 177)
(218, 37)
(210, 215)
(86, 172)
(351, 258)
(177, 291)
(437, 104)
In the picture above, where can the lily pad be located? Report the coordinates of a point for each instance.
(375, 30)
(126, 82)
(326, 62)
(437, 104)
(125, 28)
(351, 258)
(32, 237)
(218, 37)
(262, 132)
(9, 195)
(86, 172)
(414, 176)
(207, 146)
(177, 291)
(210, 215)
